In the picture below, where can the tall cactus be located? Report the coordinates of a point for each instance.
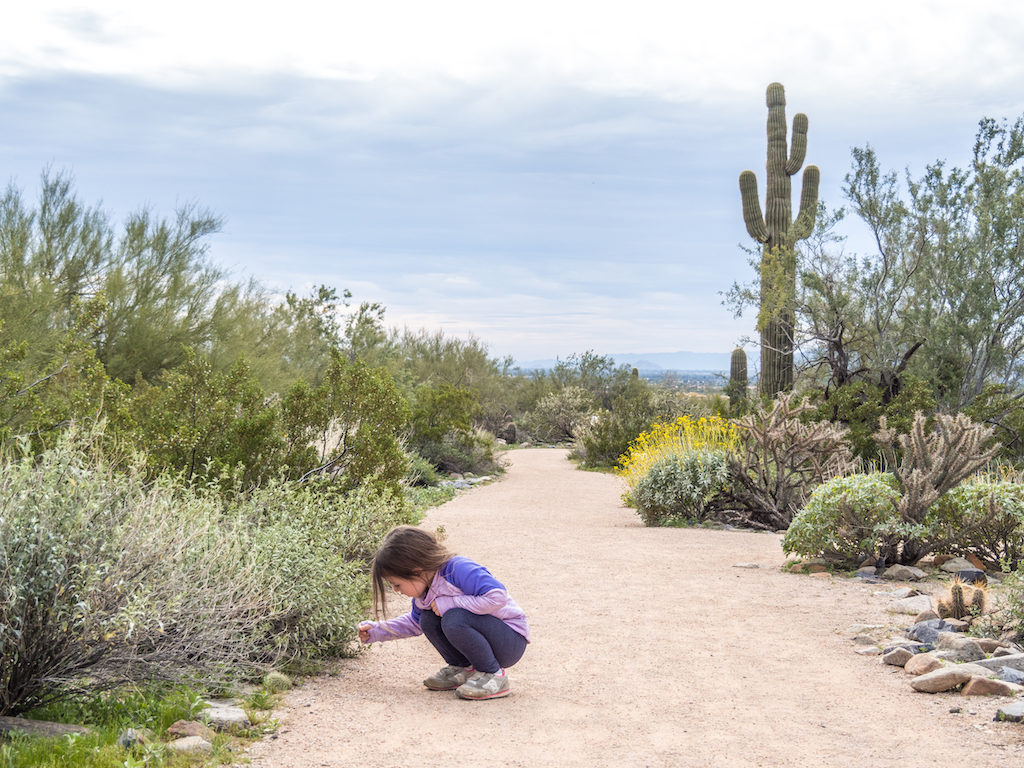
(778, 232)
(737, 387)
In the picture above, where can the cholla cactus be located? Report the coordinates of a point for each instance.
(778, 231)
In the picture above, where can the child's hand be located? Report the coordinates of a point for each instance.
(433, 607)
(364, 631)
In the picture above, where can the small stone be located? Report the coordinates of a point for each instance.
(872, 650)
(225, 717)
(928, 631)
(911, 605)
(191, 745)
(865, 640)
(922, 664)
(983, 686)
(867, 572)
(925, 616)
(191, 728)
(988, 644)
(945, 679)
(133, 737)
(746, 565)
(1011, 713)
(958, 625)
(897, 657)
(955, 710)
(903, 592)
(1004, 651)
(903, 573)
(957, 564)
(1011, 675)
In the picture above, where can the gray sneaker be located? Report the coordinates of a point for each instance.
(484, 685)
(448, 678)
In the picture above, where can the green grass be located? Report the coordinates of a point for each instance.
(107, 716)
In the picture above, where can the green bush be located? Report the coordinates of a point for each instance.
(559, 415)
(681, 487)
(984, 518)
(845, 518)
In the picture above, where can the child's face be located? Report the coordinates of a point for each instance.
(414, 587)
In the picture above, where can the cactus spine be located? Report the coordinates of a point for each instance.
(778, 233)
(737, 387)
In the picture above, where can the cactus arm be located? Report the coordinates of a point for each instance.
(804, 224)
(798, 148)
(752, 215)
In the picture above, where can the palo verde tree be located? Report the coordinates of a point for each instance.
(778, 232)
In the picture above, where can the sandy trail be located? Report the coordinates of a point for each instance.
(649, 649)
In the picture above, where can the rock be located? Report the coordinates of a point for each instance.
(972, 576)
(225, 717)
(957, 625)
(903, 573)
(191, 728)
(133, 737)
(1011, 713)
(928, 631)
(867, 572)
(996, 663)
(865, 640)
(977, 561)
(912, 605)
(904, 592)
(1004, 651)
(869, 650)
(944, 679)
(925, 616)
(983, 686)
(746, 565)
(1011, 675)
(191, 745)
(989, 645)
(815, 565)
(955, 564)
(897, 657)
(922, 664)
(954, 646)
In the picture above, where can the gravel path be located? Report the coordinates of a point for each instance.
(650, 648)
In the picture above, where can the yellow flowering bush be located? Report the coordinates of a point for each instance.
(675, 439)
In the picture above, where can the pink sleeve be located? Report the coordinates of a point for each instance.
(395, 629)
(489, 602)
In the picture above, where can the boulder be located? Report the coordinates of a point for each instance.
(922, 664)
(903, 573)
(897, 657)
(984, 686)
(955, 564)
(191, 745)
(911, 605)
(944, 679)
(954, 646)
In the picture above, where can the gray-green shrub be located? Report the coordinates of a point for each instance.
(982, 517)
(845, 518)
(681, 487)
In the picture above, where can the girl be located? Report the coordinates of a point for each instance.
(466, 614)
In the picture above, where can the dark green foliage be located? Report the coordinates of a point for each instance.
(778, 232)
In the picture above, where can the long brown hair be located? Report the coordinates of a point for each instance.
(407, 552)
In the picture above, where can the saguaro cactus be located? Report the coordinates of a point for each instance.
(778, 232)
(737, 387)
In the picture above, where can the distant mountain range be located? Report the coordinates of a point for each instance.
(683, 362)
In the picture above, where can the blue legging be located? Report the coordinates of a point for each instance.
(467, 639)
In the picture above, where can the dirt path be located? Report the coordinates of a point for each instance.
(649, 649)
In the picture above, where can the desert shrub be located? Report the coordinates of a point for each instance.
(933, 463)
(107, 577)
(678, 437)
(844, 518)
(681, 487)
(421, 472)
(982, 517)
(469, 452)
(559, 415)
(781, 460)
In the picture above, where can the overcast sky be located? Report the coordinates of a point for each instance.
(551, 177)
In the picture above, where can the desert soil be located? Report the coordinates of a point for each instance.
(650, 648)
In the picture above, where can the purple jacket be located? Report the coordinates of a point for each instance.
(459, 583)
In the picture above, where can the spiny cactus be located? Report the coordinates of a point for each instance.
(737, 387)
(964, 600)
(778, 232)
